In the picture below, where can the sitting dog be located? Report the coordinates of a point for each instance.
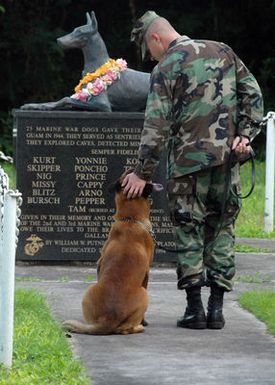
(116, 304)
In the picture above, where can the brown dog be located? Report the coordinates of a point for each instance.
(117, 302)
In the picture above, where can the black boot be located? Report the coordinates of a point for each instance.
(215, 319)
(194, 316)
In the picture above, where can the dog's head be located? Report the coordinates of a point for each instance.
(147, 191)
(137, 207)
(117, 187)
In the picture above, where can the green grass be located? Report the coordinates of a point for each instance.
(262, 305)
(250, 222)
(10, 170)
(89, 278)
(250, 249)
(41, 354)
(28, 279)
(255, 278)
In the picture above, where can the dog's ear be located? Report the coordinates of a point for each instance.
(147, 191)
(115, 187)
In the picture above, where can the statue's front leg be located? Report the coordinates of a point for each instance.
(60, 104)
(100, 103)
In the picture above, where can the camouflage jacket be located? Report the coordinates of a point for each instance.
(201, 96)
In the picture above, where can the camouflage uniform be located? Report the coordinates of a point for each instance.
(201, 97)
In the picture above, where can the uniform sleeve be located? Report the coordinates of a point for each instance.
(157, 122)
(249, 100)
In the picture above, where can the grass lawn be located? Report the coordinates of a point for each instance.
(250, 222)
(41, 353)
(262, 304)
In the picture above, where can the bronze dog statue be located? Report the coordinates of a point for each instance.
(129, 93)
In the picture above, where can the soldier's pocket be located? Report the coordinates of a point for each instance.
(181, 195)
(234, 202)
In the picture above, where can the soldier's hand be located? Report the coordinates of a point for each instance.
(241, 145)
(133, 185)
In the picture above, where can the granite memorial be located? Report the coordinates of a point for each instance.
(69, 151)
(65, 162)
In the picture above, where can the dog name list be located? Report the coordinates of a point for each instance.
(90, 176)
(43, 172)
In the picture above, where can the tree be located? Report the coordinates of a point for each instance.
(34, 68)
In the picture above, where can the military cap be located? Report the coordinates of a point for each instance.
(140, 28)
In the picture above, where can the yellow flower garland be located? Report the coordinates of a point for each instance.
(90, 76)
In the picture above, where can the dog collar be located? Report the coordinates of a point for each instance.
(147, 227)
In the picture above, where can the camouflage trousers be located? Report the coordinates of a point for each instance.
(195, 203)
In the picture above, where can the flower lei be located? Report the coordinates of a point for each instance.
(93, 83)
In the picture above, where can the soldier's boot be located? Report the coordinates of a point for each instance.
(215, 319)
(194, 316)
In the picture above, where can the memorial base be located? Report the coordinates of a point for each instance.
(65, 161)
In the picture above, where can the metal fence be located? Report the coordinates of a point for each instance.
(269, 172)
(10, 202)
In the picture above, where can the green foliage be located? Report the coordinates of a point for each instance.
(6, 139)
(10, 171)
(262, 305)
(247, 26)
(250, 222)
(35, 69)
(267, 81)
(30, 59)
(41, 353)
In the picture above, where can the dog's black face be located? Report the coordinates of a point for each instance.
(147, 191)
(116, 187)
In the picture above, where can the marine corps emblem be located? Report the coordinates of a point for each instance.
(34, 244)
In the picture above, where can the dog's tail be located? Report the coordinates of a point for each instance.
(79, 327)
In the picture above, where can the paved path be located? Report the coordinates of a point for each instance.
(240, 354)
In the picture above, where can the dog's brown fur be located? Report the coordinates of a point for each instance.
(117, 302)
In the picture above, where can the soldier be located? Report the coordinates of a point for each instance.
(202, 106)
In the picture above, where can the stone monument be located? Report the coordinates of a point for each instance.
(68, 152)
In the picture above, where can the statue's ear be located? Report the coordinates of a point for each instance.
(88, 18)
(91, 20)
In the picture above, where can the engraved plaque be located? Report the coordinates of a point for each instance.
(65, 161)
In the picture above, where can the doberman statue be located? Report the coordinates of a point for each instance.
(129, 93)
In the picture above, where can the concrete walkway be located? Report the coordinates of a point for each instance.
(240, 354)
